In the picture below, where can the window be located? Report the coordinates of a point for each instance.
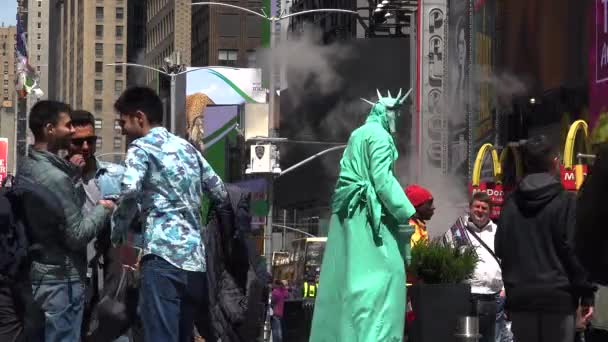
(39, 14)
(39, 36)
(98, 86)
(253, 26)
(117, 142)
(98, 105)
(99, 31)
(118, 50)
(98, 67)
(119, 31)
(5, 92)
(38, 58)
(227, 57)
(98, 123)
(120, 13)
(118, 70)
(39, 25)
(6, 83)
(117, 125)
(99, 143)
(37, 68)
(98, 49)
(39, 3)
(118, 86)
(38, 47)
(99, 12)
(251, 58)
(229, 25)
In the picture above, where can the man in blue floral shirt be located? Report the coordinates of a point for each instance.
(168, 178)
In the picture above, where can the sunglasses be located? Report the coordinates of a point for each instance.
(79, 141)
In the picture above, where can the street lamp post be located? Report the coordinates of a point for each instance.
(271, 116)
(272, 91)
(173, 76)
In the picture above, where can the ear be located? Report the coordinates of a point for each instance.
(140, 116)
(49, 128)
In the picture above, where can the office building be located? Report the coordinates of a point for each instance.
(93, 34)
(7, 109)
(225, 36)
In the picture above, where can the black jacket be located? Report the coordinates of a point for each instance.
(534, 241)
(237, 279)
(592, 220)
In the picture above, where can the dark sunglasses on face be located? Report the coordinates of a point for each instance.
(80, 141)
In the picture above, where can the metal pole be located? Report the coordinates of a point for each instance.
(268, 235)
(284, 229)
(272, 85)
(172, 119)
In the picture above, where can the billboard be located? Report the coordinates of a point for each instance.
(459, 64)
(598, 61)
(219, 86)
(3, 158)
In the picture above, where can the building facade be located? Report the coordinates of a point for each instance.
(167, 32)
(7, 108)
(93, 34)
(225, 36)
(136, 41)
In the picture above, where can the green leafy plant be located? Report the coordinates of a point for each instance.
(436, 263)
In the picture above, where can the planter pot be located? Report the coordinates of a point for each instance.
(437, 308)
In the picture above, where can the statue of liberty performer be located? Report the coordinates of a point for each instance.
(362, 289)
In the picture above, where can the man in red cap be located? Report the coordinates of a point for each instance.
(422, 200)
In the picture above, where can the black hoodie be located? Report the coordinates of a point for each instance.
(534, 242)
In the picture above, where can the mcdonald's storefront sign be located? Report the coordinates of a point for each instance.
(568, 177)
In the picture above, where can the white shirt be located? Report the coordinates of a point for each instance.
(487, 278)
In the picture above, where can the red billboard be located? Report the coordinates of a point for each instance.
(3, 158)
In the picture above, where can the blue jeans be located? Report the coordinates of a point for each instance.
(169, 299)
(277, 329)
(503, 333)
(63, 304)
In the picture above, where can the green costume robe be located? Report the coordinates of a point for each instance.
(362, 288)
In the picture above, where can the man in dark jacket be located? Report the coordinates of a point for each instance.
(543, 279)
(59, 263)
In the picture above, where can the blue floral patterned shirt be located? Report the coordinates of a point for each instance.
(167, 177)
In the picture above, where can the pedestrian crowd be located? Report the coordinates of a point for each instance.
(96, 251)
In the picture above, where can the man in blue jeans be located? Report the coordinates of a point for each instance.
(58, 236)
(168, 177)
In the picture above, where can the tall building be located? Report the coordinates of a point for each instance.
(225, 36)
(93, 34)
(7, 70)
(40, 41)
(167, 32)
(136, 41)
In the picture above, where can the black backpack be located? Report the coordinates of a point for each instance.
(24, 207)
(13, 238)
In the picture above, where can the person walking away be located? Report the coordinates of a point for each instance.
(477, 230)
(279, 295)
(543, 278)
(422, 200)
(363, 275)
(58, 268)
(167, 177)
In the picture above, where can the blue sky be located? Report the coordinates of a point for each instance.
(8, 11)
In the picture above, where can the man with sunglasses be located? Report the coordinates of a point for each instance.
(101, 180)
